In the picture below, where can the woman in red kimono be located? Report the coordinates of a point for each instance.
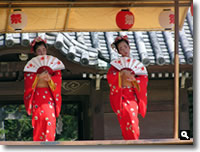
(42, 97)
(128, 93)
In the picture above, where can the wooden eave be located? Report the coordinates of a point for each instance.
(90, 3)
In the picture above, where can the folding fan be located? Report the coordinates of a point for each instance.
(133, 64)
(43, 61)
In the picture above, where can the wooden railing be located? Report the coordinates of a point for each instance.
(105, 142)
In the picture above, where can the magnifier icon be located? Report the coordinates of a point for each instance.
(184, 134)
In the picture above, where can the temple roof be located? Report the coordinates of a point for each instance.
(93, 48)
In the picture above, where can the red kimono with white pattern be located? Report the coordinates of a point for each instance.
(44, 104)
(128, 102)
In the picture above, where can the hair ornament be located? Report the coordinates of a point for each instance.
(36, 40)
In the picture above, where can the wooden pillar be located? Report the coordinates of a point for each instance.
(176, 72)
(184, 110)
(97, 112)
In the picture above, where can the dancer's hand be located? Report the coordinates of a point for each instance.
(45, 76)
(128, 75)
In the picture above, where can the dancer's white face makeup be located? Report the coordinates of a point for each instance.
(124, 49)
(41, 50)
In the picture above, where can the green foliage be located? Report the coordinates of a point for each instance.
(70, 128)
(69, 114)
(16, 130)
(20, 129)
(3, 131)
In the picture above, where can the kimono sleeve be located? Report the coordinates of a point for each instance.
(56, 79)
(30, 79)
(113, 78)
(115, 88)
(142, 94)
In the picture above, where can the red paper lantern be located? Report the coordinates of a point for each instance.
(191, 9)
(125, 19)
(166, 18)
(17, 19)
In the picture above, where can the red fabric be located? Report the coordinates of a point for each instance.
(45, 68)
(43, 118)
(30, 98)
(127, 103)
(57, 79)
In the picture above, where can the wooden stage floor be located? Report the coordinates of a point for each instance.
(105, 142)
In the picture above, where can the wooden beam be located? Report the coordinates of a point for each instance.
(69, 87)
(7, 18)
(76, 87)
(96, 3)
(77, 68)
(11, 88)
(67, 18)
(13, 50)
(169, 68)
(105, 142)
